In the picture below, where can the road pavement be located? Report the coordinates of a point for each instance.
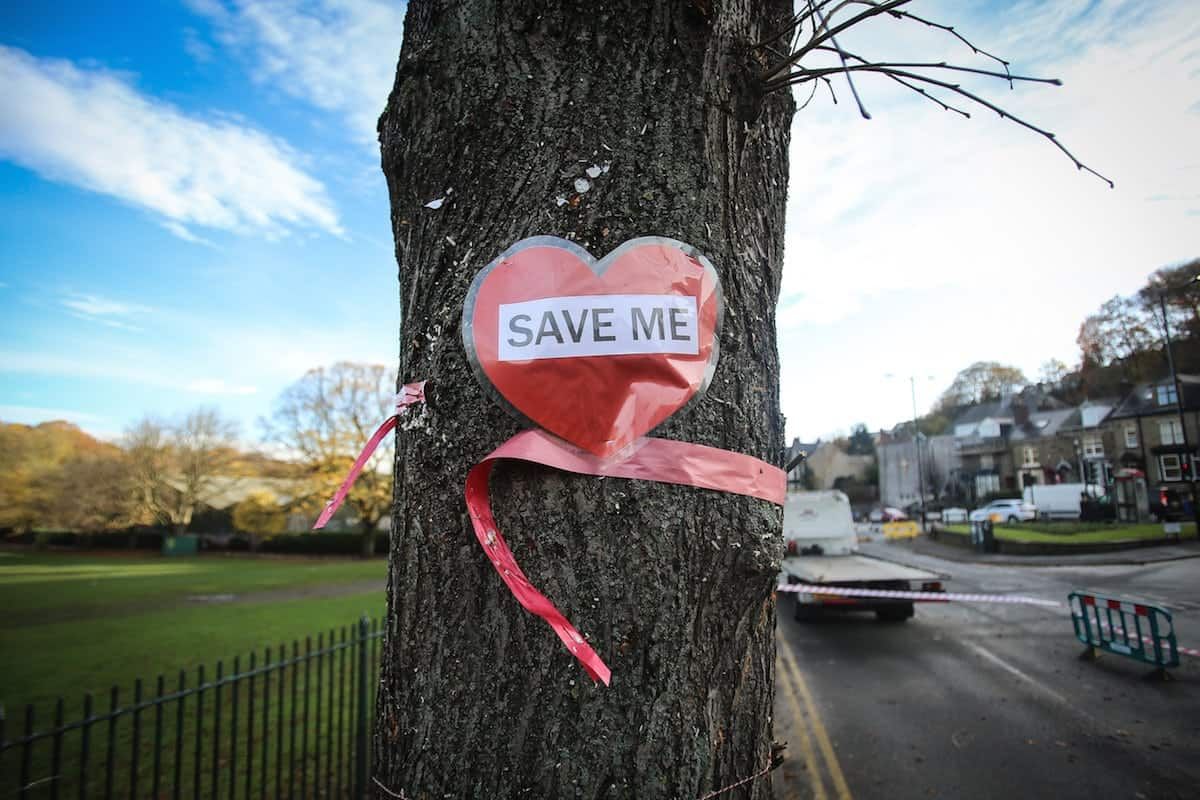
(988, 701)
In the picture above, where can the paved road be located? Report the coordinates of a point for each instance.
(988, 701)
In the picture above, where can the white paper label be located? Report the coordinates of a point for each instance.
(598, 325)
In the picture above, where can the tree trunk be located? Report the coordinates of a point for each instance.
(500, 111)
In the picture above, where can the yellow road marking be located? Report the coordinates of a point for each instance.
(812, 766)
(818, 727)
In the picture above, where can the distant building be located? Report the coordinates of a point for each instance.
(899, 482)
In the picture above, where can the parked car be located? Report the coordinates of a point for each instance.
(953, 515)
(1013, 510)
(887, 514)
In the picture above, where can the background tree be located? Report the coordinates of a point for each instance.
(1120, 331)
(323, 420)
(860, 443)
(1053, 372)
(32, 459)
(1183, 303)
(174, 468)
(93, 493)
(595, 124)
(259, 516)
(981, 382)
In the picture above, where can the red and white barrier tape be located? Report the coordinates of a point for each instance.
(1187, 651)
(847, 591)
(897, 594)
(648, 459)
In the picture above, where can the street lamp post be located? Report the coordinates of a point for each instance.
(912, 382)
(1187, 447)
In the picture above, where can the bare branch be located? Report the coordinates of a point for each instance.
(816, 40)
(788, 71)
(957, 89)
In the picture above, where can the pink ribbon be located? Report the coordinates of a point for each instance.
(410, 394)
(647, 459)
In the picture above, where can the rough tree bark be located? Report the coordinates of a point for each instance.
(499, 108)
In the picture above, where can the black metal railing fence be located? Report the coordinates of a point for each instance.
(290, 725)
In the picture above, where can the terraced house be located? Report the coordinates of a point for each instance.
(1151, 445)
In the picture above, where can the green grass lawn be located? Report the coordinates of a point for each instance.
(37, 582)
(1069, 533)
(111, 620)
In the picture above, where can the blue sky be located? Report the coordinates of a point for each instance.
(191, 210)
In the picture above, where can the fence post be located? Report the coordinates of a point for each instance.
(361, 737)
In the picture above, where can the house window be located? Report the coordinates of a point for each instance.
(1131, 439)
(1030, 454)
(1093, 446)
(1170, 432)
(1168, 467)
(1166, 394)
(986, 484)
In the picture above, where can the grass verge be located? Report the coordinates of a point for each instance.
(1073, 533)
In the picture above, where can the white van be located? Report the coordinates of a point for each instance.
(1060, 500)
(821, 549)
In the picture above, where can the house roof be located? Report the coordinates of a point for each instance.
(229, 490)
(994, 409)
(1043, 424)
(1142, 400)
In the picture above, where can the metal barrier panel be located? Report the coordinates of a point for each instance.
(1138, 630)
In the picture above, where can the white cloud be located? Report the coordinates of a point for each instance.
(111, 313)
(218, 386)
(93, 129)
(96, 306)
(338, 55)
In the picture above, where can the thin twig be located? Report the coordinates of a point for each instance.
(928, 96)
(811, 95)
(931, 97)
(877, 66)
(841, 55)
(401, 796)
(773, 762)
(950, 29)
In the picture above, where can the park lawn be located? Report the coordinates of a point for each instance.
(69, 659)
(1076, 533)
(94, 584)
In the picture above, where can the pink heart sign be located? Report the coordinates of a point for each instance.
(597, 352)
